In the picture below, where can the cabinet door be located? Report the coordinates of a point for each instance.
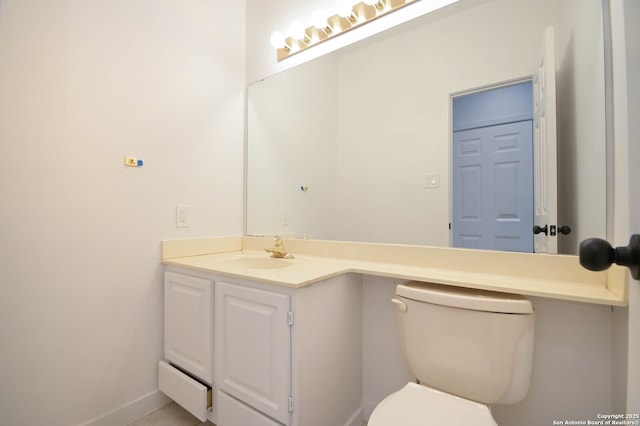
(188, 324)
(253, 348)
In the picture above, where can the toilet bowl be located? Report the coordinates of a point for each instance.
(468, 349)
(417, 405)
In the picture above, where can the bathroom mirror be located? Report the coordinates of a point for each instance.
(356, 145)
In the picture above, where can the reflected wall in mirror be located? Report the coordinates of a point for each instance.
(341, 147)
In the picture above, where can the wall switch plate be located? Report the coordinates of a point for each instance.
(432, 181)
(183, 216)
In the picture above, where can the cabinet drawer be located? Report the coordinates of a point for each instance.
(232, 412)
(192, 395)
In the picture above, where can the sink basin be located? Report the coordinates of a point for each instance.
(258, 262)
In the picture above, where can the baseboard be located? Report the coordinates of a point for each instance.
(367, 408)
(131, 411)
(355, 419)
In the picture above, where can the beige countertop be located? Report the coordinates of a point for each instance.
(551, 276)
(297, 272)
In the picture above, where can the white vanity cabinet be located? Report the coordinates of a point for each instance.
(287, 356)
(186, 375)
(240, 352)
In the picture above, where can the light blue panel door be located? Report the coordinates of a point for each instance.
(492, 187)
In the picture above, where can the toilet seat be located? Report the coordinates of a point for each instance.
(417, 405)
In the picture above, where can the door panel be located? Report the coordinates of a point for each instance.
(492, 181)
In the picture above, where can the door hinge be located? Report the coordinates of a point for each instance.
(290, 403)
(290, 317)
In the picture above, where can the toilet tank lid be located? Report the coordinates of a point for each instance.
(465, 298)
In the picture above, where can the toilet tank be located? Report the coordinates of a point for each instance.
(471, 343)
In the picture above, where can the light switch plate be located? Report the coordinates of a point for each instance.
(183, 216)
(432, 181)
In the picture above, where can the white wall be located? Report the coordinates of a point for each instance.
(581, 124)
(82, 84)
(292, 144)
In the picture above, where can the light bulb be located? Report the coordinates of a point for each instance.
(297, 31)
(278, 41)
(379, 4)
(345, 10)
(319, 19)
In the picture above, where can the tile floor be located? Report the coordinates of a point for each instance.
(170, 415)
(173, 415)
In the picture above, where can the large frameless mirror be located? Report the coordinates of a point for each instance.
(358, 145)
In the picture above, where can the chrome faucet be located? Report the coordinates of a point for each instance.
(278, 250)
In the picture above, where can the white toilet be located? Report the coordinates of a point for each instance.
(467, 348)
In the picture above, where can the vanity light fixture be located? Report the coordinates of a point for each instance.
(378, 4)
(347, 17)
(321, 22)
(278, 41)
(299, 33)
(345, 10)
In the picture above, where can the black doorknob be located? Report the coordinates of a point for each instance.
(566, 230)
(597, 255)
(537, 229)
